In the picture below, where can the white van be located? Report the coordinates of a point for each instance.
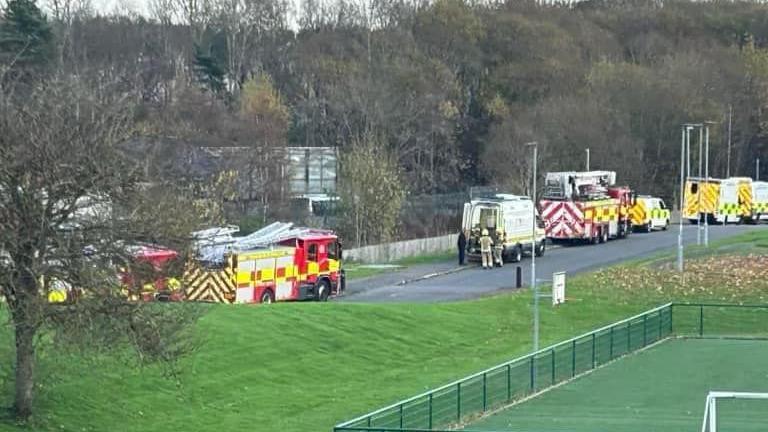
(512, 214)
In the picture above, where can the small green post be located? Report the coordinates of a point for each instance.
(629, 336)
(671, 328)
(573, 358)
(458, 401)
(401, 416)
(701, 320)
(661, 323)
(610, 349)
(553, 366)
(485, 391)
(645, 329)
(533, 372)
(430, 411)
(509, 382)
(594, 349)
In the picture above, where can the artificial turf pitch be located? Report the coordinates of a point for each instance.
(659, 389)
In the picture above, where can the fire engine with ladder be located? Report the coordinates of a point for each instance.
(276, 263)
(585, 206)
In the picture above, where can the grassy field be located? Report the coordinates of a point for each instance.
(304, 367)
(660, 389)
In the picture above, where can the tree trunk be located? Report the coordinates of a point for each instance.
(25, 363)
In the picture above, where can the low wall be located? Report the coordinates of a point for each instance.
(388, 252)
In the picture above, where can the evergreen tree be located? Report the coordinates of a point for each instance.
(26, 38)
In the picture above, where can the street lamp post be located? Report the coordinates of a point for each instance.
(587, 159)
(534, 286)
(700, 227)
(706, 175)
(685, 133)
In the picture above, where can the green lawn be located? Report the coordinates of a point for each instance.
(306, 366)
(660, 389)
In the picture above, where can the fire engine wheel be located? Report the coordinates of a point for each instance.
(649, 227)
(267, 297)
(323, 290)
(604, 235)
(666, 224)
(540, 249)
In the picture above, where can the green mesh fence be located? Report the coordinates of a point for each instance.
(470, 397)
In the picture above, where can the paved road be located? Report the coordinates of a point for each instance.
(476, 282)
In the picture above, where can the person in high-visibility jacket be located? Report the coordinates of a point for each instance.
(498, 249)
(486, 243)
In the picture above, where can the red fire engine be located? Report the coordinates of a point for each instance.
(276, 263)
(585, 206)
(150, 275)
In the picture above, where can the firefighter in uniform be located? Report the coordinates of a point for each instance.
(498, 248)
(486, 243)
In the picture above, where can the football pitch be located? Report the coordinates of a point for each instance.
(662, 388)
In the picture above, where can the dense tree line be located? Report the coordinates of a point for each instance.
(449, 90)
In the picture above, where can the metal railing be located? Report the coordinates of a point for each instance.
(461, 401)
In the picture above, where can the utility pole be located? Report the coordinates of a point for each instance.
(728, 165)
(534, 287)
(587, 159)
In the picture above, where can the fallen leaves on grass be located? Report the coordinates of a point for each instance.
(726, 278)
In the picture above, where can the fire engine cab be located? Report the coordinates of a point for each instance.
(585, 206)
(276, 263)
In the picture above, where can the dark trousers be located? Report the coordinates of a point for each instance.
(461, 256)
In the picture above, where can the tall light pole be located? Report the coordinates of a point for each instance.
(706, 175)
(728, 164)
(534, 287)
(685, 133)
(587, 159)
(700, 226)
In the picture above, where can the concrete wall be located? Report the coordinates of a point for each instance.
(383, 253)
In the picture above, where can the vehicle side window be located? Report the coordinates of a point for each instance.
(333, 251)
(312, 252)
(694, 188)
(662, 205)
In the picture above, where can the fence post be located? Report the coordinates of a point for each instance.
(573, 359)
(671, 327)
(485, 391)
(610, 350)
(369, 421)
(509, 382)
(701, 320)
(594, 349)
(553, 366)
(629, 336)
(401, 416)
(458, 401)
(430, 411)
(661, 323)
(533, 371)
(645, 329)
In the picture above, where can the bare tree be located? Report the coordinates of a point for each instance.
(71, 208)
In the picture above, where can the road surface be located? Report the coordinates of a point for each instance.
(476, 282)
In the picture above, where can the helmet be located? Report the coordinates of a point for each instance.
(485, 232)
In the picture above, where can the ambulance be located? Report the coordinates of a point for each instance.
(648, 213)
